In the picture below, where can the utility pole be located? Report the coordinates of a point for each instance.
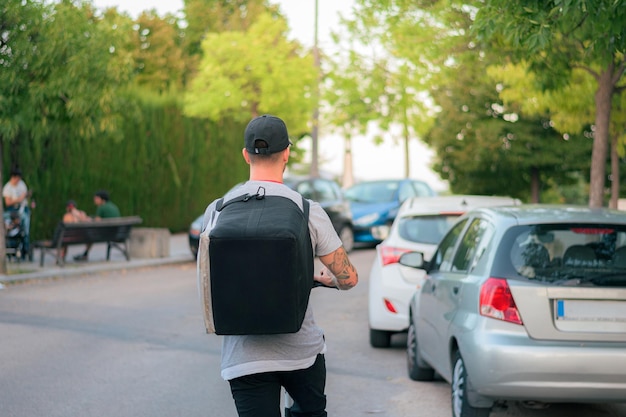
(316, 94)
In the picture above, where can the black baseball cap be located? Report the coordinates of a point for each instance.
(270, 129)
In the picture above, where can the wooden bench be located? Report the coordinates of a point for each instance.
(113, 231)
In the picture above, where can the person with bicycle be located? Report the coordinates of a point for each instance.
(15, 194)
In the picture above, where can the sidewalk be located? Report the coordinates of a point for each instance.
(26, 271)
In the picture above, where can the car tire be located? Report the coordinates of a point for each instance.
(347, 238)
(380, 338)
(418, 369)
(460, 403)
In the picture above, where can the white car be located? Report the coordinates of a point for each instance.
(419, 226)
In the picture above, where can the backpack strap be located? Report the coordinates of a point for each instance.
(305, 208)
(259, 195)
(212, 221)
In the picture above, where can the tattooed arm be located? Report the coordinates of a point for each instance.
(343, 274)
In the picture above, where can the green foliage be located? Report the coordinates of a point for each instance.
(22, 29)
(214, 16)
(582, 31)
(555, 37)
(167, 170)
(64, 75)
(379, 78)
(91, 100)
(485, 146)
(245, 74)
(157, 53)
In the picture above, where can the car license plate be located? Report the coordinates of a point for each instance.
(591, 310)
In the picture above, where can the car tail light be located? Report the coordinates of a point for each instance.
(389, 305)
(391, 255)
(496, 301)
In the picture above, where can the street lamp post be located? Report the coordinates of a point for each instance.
(316, 112)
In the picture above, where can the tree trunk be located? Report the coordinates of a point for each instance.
(614, 173)
(407, 163)
(348, 174)
(601, 137)
(315, 171)
(3, 243)
(535, 185)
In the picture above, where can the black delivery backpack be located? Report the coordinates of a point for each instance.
(261, 265)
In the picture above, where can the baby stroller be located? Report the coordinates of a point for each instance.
(15, 237)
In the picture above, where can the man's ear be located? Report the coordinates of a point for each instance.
(246, 157)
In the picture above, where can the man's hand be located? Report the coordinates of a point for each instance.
(326, 278)
(343, 271)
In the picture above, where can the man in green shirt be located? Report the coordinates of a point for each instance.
(105, 210)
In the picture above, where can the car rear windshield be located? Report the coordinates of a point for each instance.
(425, 229)
(567, 254)
(373, 192)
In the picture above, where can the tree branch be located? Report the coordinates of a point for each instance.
(593, 73)
(582, 20)
(619, 72)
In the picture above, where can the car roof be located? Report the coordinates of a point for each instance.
(452, 204)
(294, 179)
(387, 181)
(554, 213)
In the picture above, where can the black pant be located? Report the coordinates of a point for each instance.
(258, 395)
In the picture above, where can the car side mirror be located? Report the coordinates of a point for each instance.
(412, 259)
(380, 232)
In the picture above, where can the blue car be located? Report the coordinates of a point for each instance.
(376, 203)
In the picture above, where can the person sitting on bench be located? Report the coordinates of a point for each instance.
(105, 210)
(73, 215)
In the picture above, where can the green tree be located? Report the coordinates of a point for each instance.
(214, 16)
(59, 72)
(350, 99)
(157, 52)
(247, 73)
(393, 87)
(571, 109)
(478, 140)
(557, 37)
(485, 147)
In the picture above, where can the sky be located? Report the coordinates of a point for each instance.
(369, 161)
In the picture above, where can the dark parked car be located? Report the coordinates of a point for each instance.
(194, 234)
(376, 203)
(324, 191)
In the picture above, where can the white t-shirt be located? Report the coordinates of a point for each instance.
(14, 191)
(251, 354)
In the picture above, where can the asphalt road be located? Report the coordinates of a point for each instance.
(131, 343)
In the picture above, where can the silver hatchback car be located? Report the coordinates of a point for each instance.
(523, 303)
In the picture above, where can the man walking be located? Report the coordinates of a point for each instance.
(257, 366)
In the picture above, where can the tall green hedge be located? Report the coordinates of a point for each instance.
(165, 167)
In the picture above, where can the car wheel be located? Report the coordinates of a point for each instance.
(418, 369)
(380, 338)
(347, 238)
(460, 404)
